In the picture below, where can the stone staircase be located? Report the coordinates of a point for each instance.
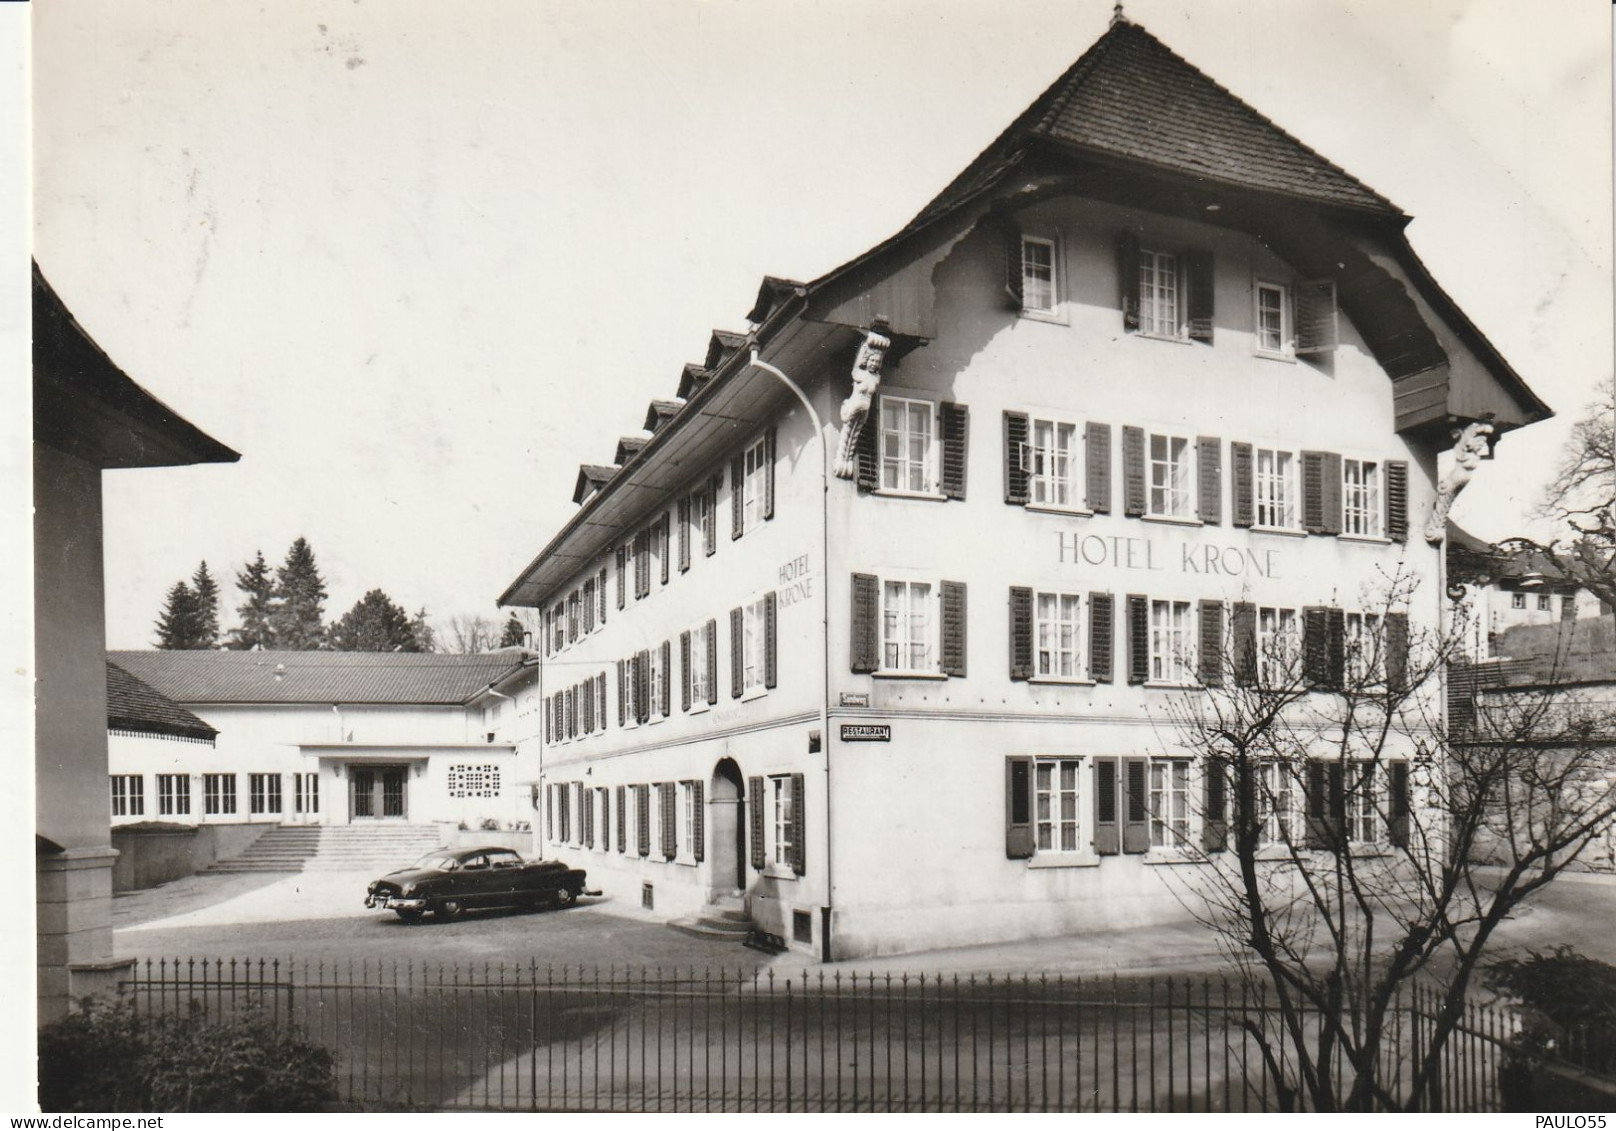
(725, 918)
(374, 848)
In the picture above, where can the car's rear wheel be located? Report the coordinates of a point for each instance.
(565, 897)
(410, 916)
(448, 909)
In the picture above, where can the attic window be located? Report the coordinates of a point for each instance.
(1037, 275)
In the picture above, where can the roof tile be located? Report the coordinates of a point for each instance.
(317, 677)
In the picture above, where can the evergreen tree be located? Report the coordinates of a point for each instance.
(206, 592)
(176, 624)
(374, 624)
(514, 633)
(426, 640)
(258, 584)
(298, 617)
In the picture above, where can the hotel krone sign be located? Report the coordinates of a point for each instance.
(1202, 555)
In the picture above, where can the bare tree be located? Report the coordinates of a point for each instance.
(470, 632)
(1353, 850)
(1582, 496)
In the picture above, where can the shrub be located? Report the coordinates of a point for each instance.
(106, 1058)
(1569, 1003)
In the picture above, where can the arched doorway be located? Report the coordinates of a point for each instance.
(726, 813)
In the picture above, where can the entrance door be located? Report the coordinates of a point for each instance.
(726, 818)
(377, 792)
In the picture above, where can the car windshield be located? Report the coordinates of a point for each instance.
(437, 862)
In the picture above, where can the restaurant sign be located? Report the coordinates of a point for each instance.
(866, 732)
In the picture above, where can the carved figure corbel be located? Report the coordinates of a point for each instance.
(1469, 450)
(856, 408)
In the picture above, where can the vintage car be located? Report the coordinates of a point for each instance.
(447, 881)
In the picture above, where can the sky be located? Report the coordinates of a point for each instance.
(416, 261)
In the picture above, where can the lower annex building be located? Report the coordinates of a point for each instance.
(1148, 395)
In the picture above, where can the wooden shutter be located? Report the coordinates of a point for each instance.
(667, 678)
(1107, 840)
(1209, 478)
(1017, 485)
(1133, 471)
(1128, 279)
(1396, 646)
(771, 667)
(698, 822)
(955, 423)
(684, 671)
(1018, 831)
(549, 811)
(600, 697)
(1136, 807)
(1138, 638)
(866, 623)
(1316, 321)
(642, 809)
(1397, 803)
(1243, 641)
(1014, 268)
(1211, 643)
(587, 816)
(601, 588)
(589, 607)
(1336, 620)
(622, 576)
(589, 705)
(737, 653)
(1102, 636)
(642, 685)
(1214, 815)
(1243, 500)
(622, 694)
(1021, 660)
(1325, 802)
(737, 497)
(605, 819)
(954, 642)
(663, 545)
(1397, 500)
(712, 662)
(642, 564)
(799, 811)
(1097, 459)
(868, 451)
(1316, 646)
(1313, 492)
(768, 472)
(1332, 493)
(670, 814)
(622, 818)
(684, 533)
(709, 521)
(754, 791)
(1198, 274)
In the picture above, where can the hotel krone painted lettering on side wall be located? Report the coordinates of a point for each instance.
(1149, 383)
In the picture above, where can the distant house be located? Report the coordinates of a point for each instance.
(1516, 604)
(88, 417)
(327, 738)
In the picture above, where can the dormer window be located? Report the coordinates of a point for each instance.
(1037, 275)
(1158, 294)
(1273, 320)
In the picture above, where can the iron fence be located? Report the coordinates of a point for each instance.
(533, 1037)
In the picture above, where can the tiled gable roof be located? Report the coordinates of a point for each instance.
(133, 705)
(627, 446)
(659, 412)
(590, 477)
(318, 677)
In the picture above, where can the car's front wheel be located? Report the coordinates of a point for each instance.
(565, 897)
(410, 916)
(448, 909)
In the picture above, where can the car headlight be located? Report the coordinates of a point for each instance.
(408, 889)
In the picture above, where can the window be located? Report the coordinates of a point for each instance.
(1363, 648)
(1037, 275)
(1517, 601)
(1055, 804)
(687, 820)
(1158, 294)
(780, 827)
(1278, 647)
(600, 590)
(1363, 819)
(589, 604)
(1051, 461)
(1360, 498)
(173, 795)
(908, 627)
(218, 794)
(701, 690)
(603, 819)
(1055, 620)
(264, 793)
(1276, 488)
(558, 629)
(1172, 476)
(908, 445)
(654, 819)
(1276, 806)
(656, 678)
(1543, 602)
(306, 791)
(1273, 319)
(754, 633)
(1171, 641)
(128, 795)
(1170, 803)
(755, 483)
(701, 517)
